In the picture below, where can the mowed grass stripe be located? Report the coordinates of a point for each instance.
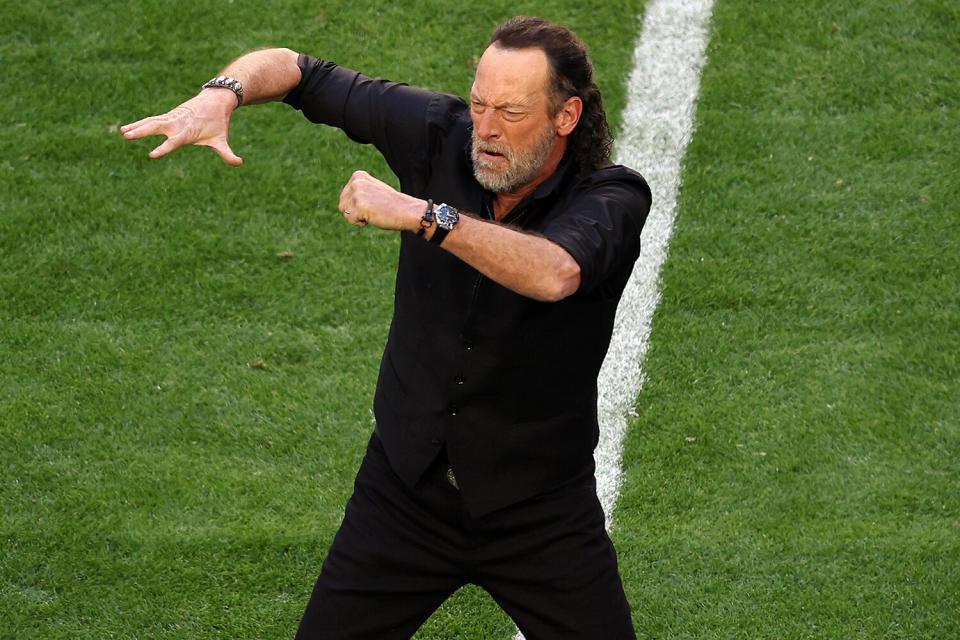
(793, 470)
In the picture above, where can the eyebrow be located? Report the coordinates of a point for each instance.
(505, 105)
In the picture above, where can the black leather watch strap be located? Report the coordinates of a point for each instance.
(438, 235)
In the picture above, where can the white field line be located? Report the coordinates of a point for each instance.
(657, 125)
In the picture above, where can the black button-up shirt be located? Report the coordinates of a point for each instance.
(506, 384)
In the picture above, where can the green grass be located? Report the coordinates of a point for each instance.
(808, 339)
(182, 410)
(160, 482)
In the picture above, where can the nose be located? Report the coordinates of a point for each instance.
(486, 125)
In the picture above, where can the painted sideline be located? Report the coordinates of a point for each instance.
(658, 122)
(657, 125)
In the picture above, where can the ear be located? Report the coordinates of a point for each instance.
(569, 115)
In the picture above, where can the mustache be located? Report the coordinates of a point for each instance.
(479, 146)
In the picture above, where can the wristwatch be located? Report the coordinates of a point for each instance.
(446, 218)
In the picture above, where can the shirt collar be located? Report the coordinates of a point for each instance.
(552, 184)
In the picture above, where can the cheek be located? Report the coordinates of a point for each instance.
(530, 131)
(526, 139)
(518, 134)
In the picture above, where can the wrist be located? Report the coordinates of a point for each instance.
(425, 220)
(421, 216)
(226, 82)
(221, 96)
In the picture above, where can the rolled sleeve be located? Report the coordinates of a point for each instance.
(600, 228)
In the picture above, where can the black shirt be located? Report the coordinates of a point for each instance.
(505, 384)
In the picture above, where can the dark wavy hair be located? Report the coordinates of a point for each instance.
(571, 74)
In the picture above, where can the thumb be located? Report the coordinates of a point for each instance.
(226, 153)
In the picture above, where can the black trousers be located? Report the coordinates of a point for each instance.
(400, 552)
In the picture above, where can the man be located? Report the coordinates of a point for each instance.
(517, 238)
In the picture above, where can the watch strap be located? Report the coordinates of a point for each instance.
(438, 235)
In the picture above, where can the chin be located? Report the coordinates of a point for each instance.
(493, 183)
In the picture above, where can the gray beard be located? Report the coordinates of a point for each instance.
(522, 165)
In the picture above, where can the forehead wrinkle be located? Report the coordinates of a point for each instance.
(497, 82)
(518, 103)
(503, 97)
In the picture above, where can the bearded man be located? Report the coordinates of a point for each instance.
(517, 239)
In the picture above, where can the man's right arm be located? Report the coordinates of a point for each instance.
(266, 75)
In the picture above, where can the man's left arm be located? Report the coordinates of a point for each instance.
(528, 264)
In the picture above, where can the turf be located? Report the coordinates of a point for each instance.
(188, 351)
(793, 471)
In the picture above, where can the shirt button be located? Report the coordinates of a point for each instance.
(454, 411)
(459, 380)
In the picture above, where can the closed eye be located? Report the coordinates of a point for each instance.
(510, 114)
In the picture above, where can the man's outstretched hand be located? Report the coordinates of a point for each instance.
(203, 120)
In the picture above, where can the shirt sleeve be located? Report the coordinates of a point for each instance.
(600, 227)
(402, 122)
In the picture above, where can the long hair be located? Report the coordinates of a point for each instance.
(571, 74)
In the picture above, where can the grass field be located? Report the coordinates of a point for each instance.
(182, 409)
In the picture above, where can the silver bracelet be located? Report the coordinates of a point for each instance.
(226, 82)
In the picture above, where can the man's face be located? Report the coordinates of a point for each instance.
(513, 132)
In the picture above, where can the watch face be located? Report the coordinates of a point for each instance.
(446, 216)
